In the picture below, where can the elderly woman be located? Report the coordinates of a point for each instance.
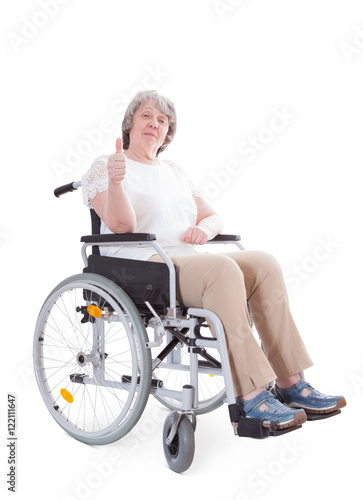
(133, 190)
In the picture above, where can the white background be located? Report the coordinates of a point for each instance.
(228, 66)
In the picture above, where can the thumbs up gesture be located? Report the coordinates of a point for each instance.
(116, 164)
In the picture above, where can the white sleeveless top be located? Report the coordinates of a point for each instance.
(162, 197)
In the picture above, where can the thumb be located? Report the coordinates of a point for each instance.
(118, 145)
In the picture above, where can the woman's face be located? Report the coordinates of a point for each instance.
(149, 128)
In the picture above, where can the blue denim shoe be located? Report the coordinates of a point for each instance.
(267, 407)
(315, 402)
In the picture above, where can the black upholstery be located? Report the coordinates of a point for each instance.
(135, 277)
(96, 227)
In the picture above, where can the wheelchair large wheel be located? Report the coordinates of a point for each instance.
(91, 362)
(174, 373)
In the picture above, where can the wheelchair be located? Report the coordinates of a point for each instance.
(107, 338)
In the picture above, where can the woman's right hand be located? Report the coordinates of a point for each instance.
(116, 164)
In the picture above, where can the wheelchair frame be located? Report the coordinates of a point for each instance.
(172, 319)
(178, 434)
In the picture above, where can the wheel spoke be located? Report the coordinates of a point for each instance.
(87, 359)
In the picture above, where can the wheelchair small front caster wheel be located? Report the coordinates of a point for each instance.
(179, 453)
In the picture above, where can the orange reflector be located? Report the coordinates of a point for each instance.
(94, 311)
(67, 395)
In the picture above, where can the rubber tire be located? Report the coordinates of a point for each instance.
(180, 453)
(108, 286)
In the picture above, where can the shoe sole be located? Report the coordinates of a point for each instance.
(340, 404)
(298, 419)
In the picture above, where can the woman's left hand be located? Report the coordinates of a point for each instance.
(195, 235)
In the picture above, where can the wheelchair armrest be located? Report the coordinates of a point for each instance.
(106, 238)
(234, 239)
(125, 237)
(225, 237)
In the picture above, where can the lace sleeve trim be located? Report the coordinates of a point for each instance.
(95, 180)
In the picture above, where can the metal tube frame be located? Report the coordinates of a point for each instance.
(172, 320)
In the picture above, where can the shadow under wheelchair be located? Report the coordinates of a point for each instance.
(107, 338)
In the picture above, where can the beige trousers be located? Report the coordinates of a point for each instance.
(222, 283)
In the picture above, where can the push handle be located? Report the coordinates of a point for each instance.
(67, 188)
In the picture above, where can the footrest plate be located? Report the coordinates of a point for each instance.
(321, 416)
(279, 432)
(254, 428)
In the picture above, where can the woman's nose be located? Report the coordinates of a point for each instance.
(153, 123)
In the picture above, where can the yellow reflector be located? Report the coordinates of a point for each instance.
(211, 375)
(67, 395)
(94, 311)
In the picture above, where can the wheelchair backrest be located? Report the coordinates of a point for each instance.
(96, 229)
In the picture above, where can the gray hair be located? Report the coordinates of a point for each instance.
(162, 103)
